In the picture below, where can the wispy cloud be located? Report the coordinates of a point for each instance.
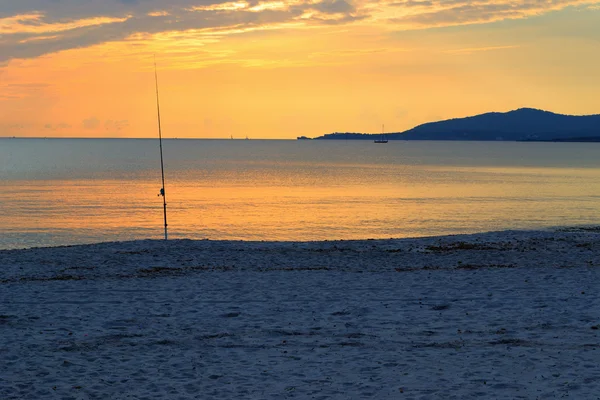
(23, 90)
(157, 14)
(437, 13)
(91, 123)
(116, 125)
(34, 24)
(471, 50)
(58, 127)
(95, 124)
(11, 128)
(30, 28)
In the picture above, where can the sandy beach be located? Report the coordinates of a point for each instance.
(501, 315)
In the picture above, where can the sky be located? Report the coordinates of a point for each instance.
(281, 69)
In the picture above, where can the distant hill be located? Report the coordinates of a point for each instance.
(522, 124)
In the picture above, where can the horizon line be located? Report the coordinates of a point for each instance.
(140, 138)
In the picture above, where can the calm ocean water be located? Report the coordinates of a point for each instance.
(71, 191)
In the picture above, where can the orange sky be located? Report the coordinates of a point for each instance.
(280, 69)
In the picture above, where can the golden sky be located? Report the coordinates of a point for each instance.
(280, 69)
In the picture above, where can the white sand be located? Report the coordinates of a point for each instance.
(500, 315)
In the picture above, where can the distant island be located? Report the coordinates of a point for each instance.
(524, 124)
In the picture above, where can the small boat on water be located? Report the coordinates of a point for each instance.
(383, 138)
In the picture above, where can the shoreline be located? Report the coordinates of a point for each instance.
(159, 250)
(482, 234)
(512, 314)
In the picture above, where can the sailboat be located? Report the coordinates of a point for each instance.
(383, 138)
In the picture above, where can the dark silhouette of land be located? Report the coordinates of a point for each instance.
(524, 124)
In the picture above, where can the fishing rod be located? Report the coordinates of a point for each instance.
(162, 167)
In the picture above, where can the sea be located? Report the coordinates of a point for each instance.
(74, 191)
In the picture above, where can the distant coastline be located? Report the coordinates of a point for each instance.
(523, 125)
(591, 139)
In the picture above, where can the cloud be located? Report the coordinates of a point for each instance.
(31, 28)
(91, 123)
(116, 125)
(470, 50)
(34, 24)
(12, 127)
(94, 123)
(334, 7)
(31, 85)
(57, 127)
(23, 90)
(37, 33)
(457, 12)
